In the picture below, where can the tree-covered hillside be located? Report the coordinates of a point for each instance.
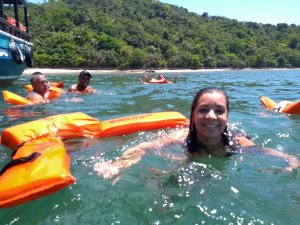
(144, 34)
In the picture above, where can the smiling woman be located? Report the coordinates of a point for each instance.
(161, 189)
(208, 135)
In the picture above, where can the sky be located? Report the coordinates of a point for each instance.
(259, 11)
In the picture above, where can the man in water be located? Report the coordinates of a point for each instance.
(83, 83)
(160, 79)
(40, 88)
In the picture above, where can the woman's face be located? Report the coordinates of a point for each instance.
(210, 116)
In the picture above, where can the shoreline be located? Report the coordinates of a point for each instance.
(29, 71)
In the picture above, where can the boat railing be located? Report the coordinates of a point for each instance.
(13, 30)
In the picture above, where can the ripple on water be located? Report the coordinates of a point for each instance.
(159, 190)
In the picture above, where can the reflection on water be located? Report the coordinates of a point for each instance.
(242, 189)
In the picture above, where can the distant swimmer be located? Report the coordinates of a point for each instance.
(83, 84)
(281, 107)
(159, 80)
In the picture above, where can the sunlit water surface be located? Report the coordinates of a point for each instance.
(242, 189)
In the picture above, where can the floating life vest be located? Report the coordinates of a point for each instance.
(55, 92)
(58, 84)
(292, 108)
(78, 124)
(65, 126)
(158, 81)
(15, 99)
(142, 122)
(12, 98)
(38, 168)
(40, 164)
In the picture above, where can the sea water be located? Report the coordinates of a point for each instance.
(241, 189)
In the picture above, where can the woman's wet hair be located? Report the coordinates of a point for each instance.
(192, 140)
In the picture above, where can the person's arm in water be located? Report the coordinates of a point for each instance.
(279, 107)
(134, 154)
(293, 162)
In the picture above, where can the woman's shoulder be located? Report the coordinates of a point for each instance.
(239, 138)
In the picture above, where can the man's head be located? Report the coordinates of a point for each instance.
(83, 80)
(160, 77)
(39, 83)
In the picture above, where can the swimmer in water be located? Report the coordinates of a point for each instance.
(207, 135)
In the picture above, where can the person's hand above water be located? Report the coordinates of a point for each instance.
(279, 107)
(106, 169)
(110, 169)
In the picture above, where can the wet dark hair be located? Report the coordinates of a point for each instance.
(84, 73)
(192, 140)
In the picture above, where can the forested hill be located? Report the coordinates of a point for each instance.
(143, 34)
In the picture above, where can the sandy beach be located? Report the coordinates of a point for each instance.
(29, 71)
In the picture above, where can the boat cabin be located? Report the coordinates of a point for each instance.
(11, 22)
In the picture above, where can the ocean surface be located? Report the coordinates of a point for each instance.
(241, 189)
